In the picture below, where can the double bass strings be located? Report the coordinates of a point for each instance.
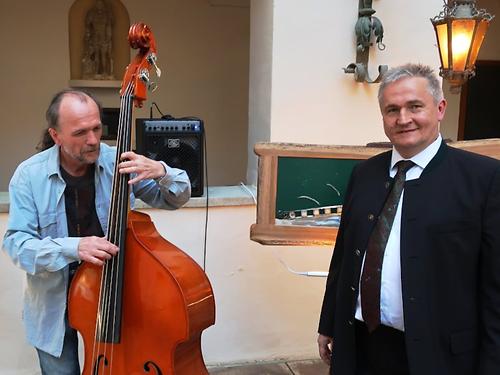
(109, 307)
(120, 223)
(123, 202)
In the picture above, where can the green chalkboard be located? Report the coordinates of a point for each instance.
(288, 171)
(304, 183)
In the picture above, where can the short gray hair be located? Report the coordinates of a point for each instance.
(412, 70)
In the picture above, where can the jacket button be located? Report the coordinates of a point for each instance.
(371, 217)
(387, 184)
(353, 288)
(350, 322)
(357, 252)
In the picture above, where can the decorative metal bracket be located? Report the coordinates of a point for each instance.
(365, 26)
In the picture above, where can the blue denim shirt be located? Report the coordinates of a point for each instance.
(37, 233)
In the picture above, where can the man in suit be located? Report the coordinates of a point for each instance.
(414, 282)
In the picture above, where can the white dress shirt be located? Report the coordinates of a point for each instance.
(391, 299)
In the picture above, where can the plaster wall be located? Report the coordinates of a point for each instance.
(313, 100)
(202, 51)
(260, 80)
(263, 312)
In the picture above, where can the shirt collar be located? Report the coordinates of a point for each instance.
(422, 158)
(53, 161)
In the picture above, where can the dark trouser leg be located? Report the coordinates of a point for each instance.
(382, 352)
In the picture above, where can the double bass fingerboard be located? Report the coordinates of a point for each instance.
(110, 300)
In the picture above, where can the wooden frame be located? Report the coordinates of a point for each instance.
(267, 232)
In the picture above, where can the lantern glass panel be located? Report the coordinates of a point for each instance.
(442, 37)
(478, 40)
(461, 33)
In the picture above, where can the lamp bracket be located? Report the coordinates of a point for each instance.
(361, 74)
(366, 26)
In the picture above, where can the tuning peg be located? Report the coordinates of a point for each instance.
(152, 60)
(152, 86)
(144, 76)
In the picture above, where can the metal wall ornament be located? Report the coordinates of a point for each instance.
(460, 30)
(366, 28)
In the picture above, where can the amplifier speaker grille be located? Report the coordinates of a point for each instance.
(179, 143)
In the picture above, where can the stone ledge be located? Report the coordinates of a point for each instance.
(218, 196)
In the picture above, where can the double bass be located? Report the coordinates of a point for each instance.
(144, 310)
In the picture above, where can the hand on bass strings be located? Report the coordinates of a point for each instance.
(143, 167)
(96, 250)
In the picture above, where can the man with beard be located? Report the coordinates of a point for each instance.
(59, 200)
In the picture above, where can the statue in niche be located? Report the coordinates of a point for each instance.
(97, 59)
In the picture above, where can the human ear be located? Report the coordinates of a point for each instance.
(54, 135)
(442, 109)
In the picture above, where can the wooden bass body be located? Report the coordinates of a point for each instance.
(167, 302)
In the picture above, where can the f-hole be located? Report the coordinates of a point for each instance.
(150, 364)
(95, 371)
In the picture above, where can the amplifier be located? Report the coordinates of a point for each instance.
(177, 142)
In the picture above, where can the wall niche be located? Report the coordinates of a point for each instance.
(98, 44)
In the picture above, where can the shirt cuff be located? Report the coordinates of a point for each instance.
(69, 246)
(159, 180)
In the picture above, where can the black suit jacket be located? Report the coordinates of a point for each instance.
(450, 264)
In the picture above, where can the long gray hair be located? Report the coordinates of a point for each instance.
(52, 114)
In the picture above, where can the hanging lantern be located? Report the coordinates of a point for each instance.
(460, 30)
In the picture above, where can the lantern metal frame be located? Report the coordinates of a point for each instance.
(455, 16)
